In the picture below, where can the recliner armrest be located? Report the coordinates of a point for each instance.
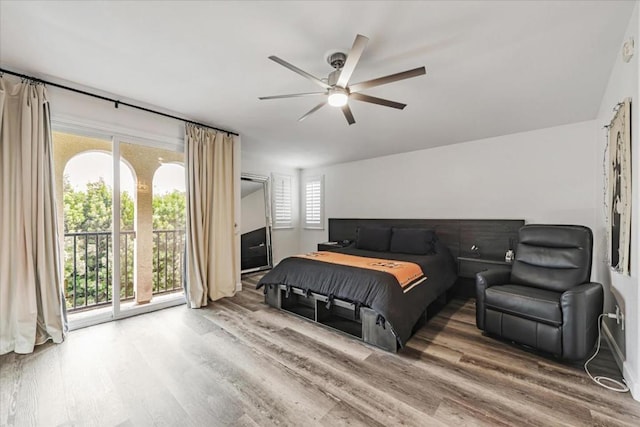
(497, 276)
(484, 280)
(581, 307)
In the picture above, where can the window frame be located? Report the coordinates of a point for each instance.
(305, 202)
(278, 186)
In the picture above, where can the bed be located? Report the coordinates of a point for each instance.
(368, 302)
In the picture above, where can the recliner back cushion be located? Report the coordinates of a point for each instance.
(554, 257)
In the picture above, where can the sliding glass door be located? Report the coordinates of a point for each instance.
(122, 211)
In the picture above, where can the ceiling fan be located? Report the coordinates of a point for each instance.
(337, 89)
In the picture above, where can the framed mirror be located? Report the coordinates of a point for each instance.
(255, 225)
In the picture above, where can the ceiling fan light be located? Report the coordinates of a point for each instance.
(338, 99)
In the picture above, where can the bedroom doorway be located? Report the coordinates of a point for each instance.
(255, 225)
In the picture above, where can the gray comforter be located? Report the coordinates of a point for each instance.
(375, 289)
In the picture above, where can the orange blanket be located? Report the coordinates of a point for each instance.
(408, 274)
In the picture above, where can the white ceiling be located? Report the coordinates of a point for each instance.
(493, 68)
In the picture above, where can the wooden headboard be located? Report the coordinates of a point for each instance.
(492, 236)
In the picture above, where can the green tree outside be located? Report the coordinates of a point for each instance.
(87, 227)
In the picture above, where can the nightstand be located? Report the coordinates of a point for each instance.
(468, 267)
(329, 246)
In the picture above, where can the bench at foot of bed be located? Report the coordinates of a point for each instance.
(357, 321)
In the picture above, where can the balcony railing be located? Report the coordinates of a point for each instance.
(89, 266)
(168, 260)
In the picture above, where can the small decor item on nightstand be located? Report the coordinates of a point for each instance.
(475, 251)
(509, 256)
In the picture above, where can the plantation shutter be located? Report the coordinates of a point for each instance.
(313, 201)
(282, 212)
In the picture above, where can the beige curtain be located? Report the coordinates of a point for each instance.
(211, 244)
(31, 302)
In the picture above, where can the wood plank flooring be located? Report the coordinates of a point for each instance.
(238, 362)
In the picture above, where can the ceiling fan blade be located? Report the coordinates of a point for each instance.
(293, 95)
(379, 101)
(348, 114)
(313, 110)
(299, 71)
(352, 60)
(387, 79)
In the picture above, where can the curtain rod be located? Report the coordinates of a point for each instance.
(116, 102)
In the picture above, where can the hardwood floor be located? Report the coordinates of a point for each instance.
(239, 362)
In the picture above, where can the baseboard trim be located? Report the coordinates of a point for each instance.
(627, 373)
(239, 286)
(629, 378)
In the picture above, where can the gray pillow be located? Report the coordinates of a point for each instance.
(373, 238)
(415, 241)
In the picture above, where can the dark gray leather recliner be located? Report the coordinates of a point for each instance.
(545, 300)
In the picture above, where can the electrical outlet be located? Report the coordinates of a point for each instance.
(627, 50)
(619, 317)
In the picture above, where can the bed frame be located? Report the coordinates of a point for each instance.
(492, 236)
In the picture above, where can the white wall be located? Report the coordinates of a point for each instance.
(252, 211)
(623, 83)
(284, 241)
(542, 176)
(71, 107)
